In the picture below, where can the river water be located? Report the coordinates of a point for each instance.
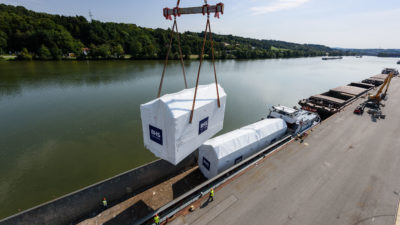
(68, 124)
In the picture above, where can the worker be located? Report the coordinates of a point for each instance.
(104, 202)
(211, 197)
(156, 219)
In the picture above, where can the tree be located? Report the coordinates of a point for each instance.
(224, 54)
(56, 52)
(186, 51)
(149, 51)
(103, 51)
(44, 53)
(118, 51)
(135, 49)
(3, 41)
(24, 55)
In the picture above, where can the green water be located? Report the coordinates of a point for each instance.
(65, 125)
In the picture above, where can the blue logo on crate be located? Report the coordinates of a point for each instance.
(203, 125)
(156, 134)
(206, 163)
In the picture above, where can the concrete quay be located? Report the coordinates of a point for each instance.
(346, 171)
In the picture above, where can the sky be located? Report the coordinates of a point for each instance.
(335, 23)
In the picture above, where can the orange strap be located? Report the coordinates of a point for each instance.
(208, 27)
(174, 27)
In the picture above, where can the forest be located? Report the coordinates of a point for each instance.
(42, 36)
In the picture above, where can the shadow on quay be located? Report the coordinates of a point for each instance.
(131, 214)
(187, 183)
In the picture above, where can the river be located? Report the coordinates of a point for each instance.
(68, 124)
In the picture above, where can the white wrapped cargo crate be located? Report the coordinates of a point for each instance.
(222, 152)
(165, 121)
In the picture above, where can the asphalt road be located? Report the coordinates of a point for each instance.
(347, 171)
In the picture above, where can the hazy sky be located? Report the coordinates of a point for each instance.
(336, 23)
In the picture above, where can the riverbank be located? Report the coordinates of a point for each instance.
(129, 57)
(32, 57)
(8, 57)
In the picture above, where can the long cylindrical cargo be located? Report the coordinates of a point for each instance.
(165, 121)
(220, 153)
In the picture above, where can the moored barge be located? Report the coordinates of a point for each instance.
(329, 103)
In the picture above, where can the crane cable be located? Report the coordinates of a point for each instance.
(174, 27)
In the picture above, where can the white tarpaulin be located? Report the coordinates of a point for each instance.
(165, 121)
(222, 152)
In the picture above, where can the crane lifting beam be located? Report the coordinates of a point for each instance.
(205, 9)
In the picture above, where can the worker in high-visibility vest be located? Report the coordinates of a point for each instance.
(211, 197)
(104, 202)
(156, 219)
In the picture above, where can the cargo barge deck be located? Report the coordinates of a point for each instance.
(331, 102)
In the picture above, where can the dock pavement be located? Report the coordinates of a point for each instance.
(346, 171)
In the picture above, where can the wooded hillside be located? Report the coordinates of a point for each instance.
(44, 36)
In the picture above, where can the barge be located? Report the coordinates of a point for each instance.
(331, 58)
(329, 103)
(362, 85)
(390, 70)
(374, 81)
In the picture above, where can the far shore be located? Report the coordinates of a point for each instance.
(8, 57)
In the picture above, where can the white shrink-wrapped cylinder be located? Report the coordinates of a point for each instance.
(220, 153)
(165, 121)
